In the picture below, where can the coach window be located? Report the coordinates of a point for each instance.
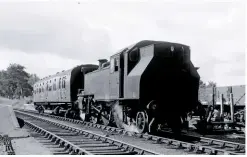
(59, 84)
(64, 82)
(54, 84)
(47, 87)
(62, 79)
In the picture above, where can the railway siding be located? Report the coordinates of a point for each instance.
(205, 94)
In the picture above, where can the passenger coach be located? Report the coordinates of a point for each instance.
(60, 89)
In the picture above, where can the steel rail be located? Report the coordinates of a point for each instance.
(73, 149)
(207, 145)
(6, 140)
(126, 146)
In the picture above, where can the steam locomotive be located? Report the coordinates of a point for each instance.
(148, 84)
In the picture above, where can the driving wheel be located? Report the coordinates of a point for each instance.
(142, 121)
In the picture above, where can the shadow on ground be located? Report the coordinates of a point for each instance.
(21, 122)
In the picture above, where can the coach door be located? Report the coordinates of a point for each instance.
(60, 98)
(114, 76)
(54, 90)
(57, 88)
(64, 88)
(46, 91)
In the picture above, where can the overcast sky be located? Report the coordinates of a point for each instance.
(47, 36)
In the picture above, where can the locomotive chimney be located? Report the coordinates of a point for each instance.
(101, 61)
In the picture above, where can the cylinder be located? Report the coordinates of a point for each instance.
(232, 107)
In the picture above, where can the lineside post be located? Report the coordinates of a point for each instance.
(221, 106)
(214, 92)
(232, 107)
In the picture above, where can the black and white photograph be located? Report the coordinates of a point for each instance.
(122, 77)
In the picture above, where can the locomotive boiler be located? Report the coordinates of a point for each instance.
(145, 85)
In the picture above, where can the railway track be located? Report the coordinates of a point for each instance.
(200, 146)
(75, 141)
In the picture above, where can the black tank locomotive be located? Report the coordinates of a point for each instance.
(143, 85)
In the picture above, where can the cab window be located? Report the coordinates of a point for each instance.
(114, 64)
(116, 60)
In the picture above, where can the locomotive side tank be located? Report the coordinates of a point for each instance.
(154, 82)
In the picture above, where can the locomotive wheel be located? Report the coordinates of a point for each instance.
(66, 115)
(41, 110)
(106, 118)
(142, 121)
(94, 119)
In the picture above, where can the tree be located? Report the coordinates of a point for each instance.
(16, 82)
(202, 84)
(4, 89)
(33, 78)
(211, 84)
